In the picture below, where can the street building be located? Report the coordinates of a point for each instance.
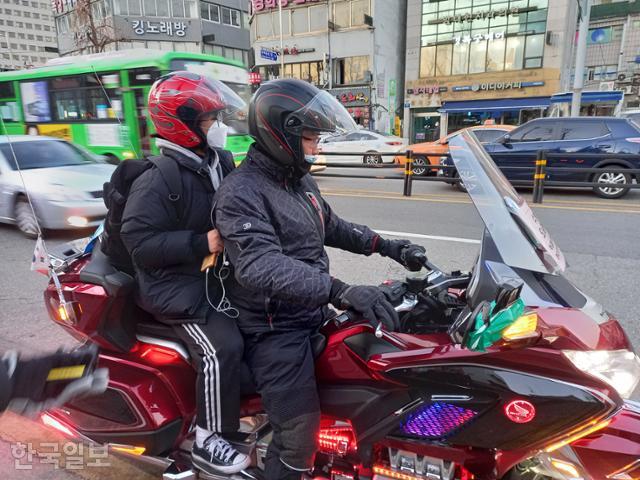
(613, 55)
(217, 27)
(26, 32)
(352, 48)
(470, 62)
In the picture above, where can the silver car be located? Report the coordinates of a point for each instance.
(63, 180)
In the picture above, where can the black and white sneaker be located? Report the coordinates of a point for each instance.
(218, 456)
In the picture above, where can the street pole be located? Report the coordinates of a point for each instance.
(281, 40)
(581, 54)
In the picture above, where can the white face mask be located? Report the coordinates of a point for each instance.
(311, 159)
(217, 135)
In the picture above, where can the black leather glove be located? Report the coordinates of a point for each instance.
(43, 382)
(367, 300)
(407, 254)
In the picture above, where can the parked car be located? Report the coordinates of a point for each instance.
(63, 181)
(606, 136)
(439, 148)
(360, 141)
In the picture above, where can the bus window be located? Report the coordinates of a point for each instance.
(143, 76)
(6, 90)
(82, 98)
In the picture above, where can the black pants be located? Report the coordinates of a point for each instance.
(283, 369)
(216, 350)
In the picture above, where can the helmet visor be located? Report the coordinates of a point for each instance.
(231, 100)
(323, 114)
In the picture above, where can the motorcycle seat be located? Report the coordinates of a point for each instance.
(99, 271)
(157, 330)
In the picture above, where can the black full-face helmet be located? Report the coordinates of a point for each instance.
(282, 109)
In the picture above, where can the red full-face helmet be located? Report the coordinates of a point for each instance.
(179, 100)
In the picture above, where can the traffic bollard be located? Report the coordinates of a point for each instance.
(539, 176)
(408, 172)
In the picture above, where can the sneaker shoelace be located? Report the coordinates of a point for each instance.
(218, 447)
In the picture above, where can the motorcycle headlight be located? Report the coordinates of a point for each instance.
(619, 368)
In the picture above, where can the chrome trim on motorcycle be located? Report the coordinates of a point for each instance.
(450, 398)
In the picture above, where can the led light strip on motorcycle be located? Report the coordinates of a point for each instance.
(436, 420)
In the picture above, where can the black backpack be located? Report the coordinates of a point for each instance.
(116, 192)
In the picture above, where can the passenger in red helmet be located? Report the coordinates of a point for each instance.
(168, 239)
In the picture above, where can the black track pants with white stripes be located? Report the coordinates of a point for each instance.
(216, 349)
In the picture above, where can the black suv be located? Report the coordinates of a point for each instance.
(571, 135)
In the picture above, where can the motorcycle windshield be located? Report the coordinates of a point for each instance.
(519, 236)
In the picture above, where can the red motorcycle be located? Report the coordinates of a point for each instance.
(544, 399)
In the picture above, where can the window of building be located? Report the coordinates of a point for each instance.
(47, 28)
(210, 11)
(299, 21)
(29, 26)
(36, 15)
(27, 14)
(30, 37)
(155, 8)
(39, 38)
(62, 24)
(44, 16)
(489, 40)
(602, 35)
(37, 26)
(10, 23)
(1, 21)
(352, 70)
(350, 13)
(268, 24)
(312, 72)
(20, 24)
(602, 72)
(17, 13)
(318, 18)
(230, 16)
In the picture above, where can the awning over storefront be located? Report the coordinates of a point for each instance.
(507, 104)
(589, 97)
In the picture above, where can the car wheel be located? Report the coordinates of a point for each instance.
(25, 219)
(459, 185)
(371, 159)
(613, 179)
(420, 166)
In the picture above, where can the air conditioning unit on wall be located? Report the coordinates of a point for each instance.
(627, 90)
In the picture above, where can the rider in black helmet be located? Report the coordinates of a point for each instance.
(275, 226)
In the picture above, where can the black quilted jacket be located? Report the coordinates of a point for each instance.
(275, 231)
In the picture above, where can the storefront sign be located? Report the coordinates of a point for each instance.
(158, 29)
(352, 97)
(140, 27)
(487, 14)
(481, 87)
(297, 51)
(426, 90)
(259, 5)
(478, 37)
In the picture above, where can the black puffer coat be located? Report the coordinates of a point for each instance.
(275, 231)
(167, 254)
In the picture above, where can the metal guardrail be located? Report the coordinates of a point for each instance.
(539, 171)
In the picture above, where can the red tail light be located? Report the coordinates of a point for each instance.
(156, 354)
(337, 440)
(633, 139)
(394, 143)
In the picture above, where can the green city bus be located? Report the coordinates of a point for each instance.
(99, 101)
